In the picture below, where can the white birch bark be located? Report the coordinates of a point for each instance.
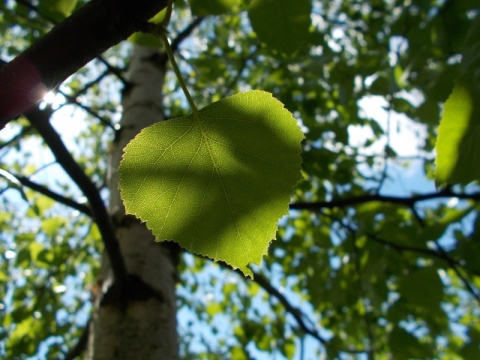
(145, 328)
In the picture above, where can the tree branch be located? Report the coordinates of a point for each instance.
(7, 144)
(407, 201)
(295, 312)
(53, 195)
(110, 68)
(96, 27)
(185, 33)
(428, 252)
(455, 268)
(87, 109)
(40, 121)
(81, 344)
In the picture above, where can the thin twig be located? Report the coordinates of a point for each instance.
(182, 35)
(292, 310)
(24, 131)
(87, 109)
(386, 154)
(407, 201)
(299, 316)
(81, 344)
(240, 71)
(89, 84)
(455, 268)
(40, 121)
(54, 196)
(442, 256)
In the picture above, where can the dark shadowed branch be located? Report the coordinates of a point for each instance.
(53, 195)
(110, 68)
(441, 254)
(96, 27)
(407, 201)
(185, 33)
(459, 273)
(9, 143)
(87, 109)
(298, 315)
(292, 310)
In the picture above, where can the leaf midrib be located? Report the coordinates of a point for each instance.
(205, 139)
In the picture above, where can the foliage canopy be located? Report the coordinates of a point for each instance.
(372, 259)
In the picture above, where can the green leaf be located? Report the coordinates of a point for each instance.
(146, 39)
(458, 144)
(213, 309)
(406, 346)
(58, 9)
(422, 288)
(21, 337)
(216, 182)
(213, 7)
(471, 350)
(282, 25)
(239, 353)
(52, 225)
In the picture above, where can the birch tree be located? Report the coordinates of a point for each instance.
(140, 324)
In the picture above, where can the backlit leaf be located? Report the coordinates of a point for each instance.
(458, 144)
(216, 182)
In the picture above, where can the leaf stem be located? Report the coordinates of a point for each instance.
(178, 74)
(168, 14)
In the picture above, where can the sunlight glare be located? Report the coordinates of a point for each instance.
(49, 97)
(52, 99)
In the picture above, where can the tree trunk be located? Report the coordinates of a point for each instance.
(142, 326)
